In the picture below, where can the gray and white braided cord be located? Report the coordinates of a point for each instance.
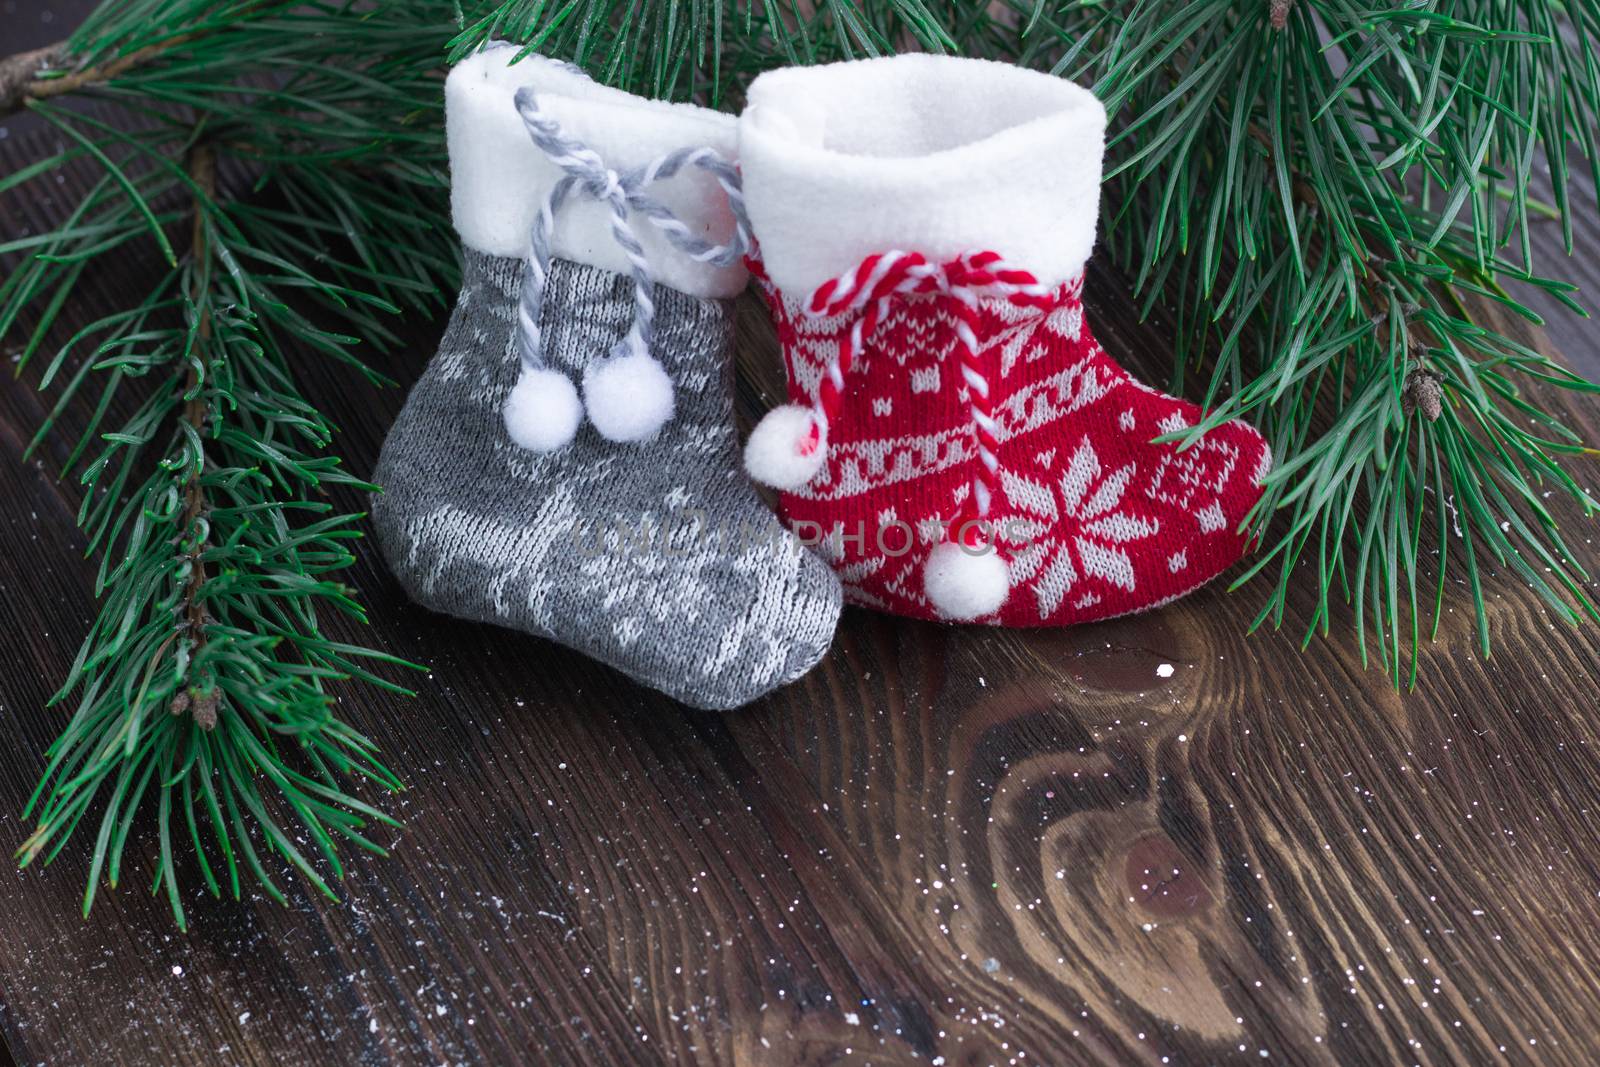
(624, 193)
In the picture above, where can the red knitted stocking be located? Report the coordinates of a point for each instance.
(969, 452)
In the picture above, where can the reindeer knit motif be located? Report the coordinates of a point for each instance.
(508, 499)
(671, 571)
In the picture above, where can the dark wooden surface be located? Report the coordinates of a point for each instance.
(945, 845)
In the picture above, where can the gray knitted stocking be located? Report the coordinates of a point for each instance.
(657, 559)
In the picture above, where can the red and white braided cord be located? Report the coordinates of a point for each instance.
(870, 289)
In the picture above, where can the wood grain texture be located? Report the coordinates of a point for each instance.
(945, 845)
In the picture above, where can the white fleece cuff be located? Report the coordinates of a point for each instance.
(920, 153)
(498, 179)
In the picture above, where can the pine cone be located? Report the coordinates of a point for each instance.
(180, 702)
(1278, 13)
(205, 710)
(1423, 391)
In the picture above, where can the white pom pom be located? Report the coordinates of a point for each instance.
(962, 585)
(787, 448)
(628, 398)
(542, 413)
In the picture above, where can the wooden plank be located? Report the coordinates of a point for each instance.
(983, 846)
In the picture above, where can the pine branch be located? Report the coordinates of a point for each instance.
(202, 166)
(701, 50)
(29, 76)
(1309, 275)
(202, 684)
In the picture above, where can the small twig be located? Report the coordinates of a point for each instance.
(23, 75)
(1423, 387)
(1299, 187)
(202, 704)
(19, 72)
